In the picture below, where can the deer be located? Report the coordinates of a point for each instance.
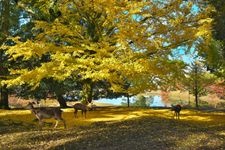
(79, 106)
(46, 113)
(176, 109)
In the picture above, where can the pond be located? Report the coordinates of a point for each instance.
(153, 101)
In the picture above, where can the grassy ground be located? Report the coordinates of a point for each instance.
(114, 128)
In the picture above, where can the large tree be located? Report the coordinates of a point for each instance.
(116, 41)
(4, 26)
(13, 22)
(215, 55)
(8, 25)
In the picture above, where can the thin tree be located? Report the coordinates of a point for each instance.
(197, 80)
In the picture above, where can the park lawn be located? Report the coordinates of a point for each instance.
(115, 128)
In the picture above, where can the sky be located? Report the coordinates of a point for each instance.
(181, 53)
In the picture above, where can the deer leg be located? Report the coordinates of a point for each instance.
(75, 113)
(85, 113)
(56, 123)
(40, 124)
(64, 123)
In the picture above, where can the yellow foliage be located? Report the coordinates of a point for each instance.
(110, 40)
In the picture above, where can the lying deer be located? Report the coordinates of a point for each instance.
(46, 113)
(176, 109)
(82, 107)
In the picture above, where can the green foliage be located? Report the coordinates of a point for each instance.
(216, 55)
(140, 101)
(199, 79)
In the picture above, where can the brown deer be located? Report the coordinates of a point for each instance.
(82, 107)
(46, 113)
(176, 109)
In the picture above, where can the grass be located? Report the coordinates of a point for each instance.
(115, 128)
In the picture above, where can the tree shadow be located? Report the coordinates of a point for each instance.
(147, 129)
(151, 133)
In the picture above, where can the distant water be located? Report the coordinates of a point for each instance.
(156, 101)
(114, 101)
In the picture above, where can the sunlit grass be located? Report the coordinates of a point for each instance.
(13, 112)
(113, 114)
(195, 129)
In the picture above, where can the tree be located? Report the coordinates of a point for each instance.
(4, 33)
(11, 24)
(218, 26)
(215, 55)
(197, 81)
(116, 41)
(141, 101)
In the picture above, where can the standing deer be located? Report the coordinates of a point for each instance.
(82, 107)
(176, 109)
(46, 113)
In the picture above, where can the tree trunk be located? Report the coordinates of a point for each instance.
(128, 100)
(196, 87)
(4, 28)
(4, 100)
(90, 93)
(196, 99)
(5, 17)
(87, 91)
(62, 101)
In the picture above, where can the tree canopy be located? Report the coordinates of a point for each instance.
(115, 41)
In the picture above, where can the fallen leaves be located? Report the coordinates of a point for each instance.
(119, 128)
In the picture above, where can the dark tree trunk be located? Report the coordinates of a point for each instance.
(87, 91)
(196, 87)
(89, 98)
(196, 99)
(128, 100)
(4, 28)
(62, 101)
(4, 100)
(5, 17)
